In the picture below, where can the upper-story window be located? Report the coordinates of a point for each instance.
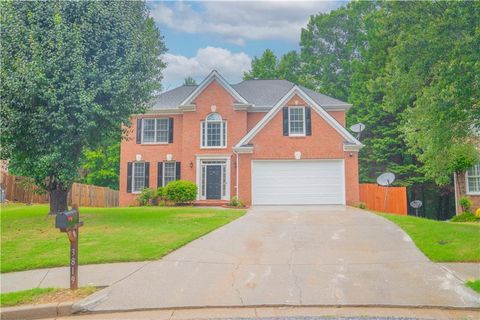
(214, 132)
(296, 121)
(473, 179)
(155, 130)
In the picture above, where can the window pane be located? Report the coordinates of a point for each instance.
(138, 176)
(296, 120)
(214, 134)
(214, 117)
(473, 175)
(168, 172)
(148, 129)
(162, 130)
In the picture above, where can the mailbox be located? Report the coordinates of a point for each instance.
(67, 220)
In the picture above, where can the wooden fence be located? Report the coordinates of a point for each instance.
(20, 190)
(373, 196)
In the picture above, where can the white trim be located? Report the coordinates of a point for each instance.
(223, 133)
(304, 133)
(227, 159)
(174, 171)
(161, 111)
(155, 130)
(243, 149)
(344, 198)
(214, 75)
(133, 176)
(467, 189)
(324, 114)
(352, 147)
(457, 212)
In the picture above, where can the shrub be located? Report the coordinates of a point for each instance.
(477, 213)
(362, 205)
(145, 196)
(160, 194)
(235, 202)
(466, 217)
(466, 204)
(181, 191)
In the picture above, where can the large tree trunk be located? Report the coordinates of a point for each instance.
(58, 200)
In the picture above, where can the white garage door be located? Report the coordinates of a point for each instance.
(298, 182)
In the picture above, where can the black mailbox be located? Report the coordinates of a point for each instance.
(67, 220)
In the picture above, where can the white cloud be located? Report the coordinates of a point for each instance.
(230, 65)
(237, 22)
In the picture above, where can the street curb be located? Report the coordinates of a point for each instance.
(49, 310)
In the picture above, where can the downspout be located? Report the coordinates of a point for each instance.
(236, 174)
(455, 187)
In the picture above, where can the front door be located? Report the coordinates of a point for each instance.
(214, 182)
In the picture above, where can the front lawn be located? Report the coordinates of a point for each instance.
(442, 241)
(43, 295)
(29, 239)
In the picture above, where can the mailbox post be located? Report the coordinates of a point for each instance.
(69, 222)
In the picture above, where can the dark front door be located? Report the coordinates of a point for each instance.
(214, 182)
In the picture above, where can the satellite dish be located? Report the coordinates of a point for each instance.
(357, 128)
(386, 179)
(416, 204)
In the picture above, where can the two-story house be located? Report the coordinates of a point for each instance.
(264, 141)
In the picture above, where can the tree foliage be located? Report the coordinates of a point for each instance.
(411, 71)
(189, 81)
(72, 73)
(101, 166)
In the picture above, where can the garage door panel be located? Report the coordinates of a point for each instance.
(298, 182)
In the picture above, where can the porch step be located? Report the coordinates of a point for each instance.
(210, 203)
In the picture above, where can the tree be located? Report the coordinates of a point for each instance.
(331, 45)
(102, 165)
(289, 67)
(72, 73)
(433, 73)
(264, 67)
(189, 81)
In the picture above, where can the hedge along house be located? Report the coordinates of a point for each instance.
(264, 141)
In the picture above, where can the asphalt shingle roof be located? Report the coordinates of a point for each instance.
(260, 93)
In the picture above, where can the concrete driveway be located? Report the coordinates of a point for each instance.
(298, 255)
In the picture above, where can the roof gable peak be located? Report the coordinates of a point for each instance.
(213, 76)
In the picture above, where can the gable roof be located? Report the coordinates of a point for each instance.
(296, 90)
(260, 94)
(213, 76)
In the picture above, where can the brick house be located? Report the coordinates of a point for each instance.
(468, 184)
(264, 141)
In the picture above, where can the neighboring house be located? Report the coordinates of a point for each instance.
(468, 184)
(265, 141)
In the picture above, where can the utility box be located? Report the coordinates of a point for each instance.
(67, 220)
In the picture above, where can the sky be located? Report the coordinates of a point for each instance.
(227, 35)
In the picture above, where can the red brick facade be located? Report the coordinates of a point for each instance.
(461, 190)
(324, 143)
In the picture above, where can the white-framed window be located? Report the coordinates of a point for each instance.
(473, 179)
(169, 172)
(155, 130)
(138, 176)
(296, 121)
(213, 132)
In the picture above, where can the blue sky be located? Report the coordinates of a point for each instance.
(226, 35)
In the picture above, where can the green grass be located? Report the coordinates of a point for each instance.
(24, 297)
(43, 295)
(442, 241)
(29, 239)
(474, 284)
